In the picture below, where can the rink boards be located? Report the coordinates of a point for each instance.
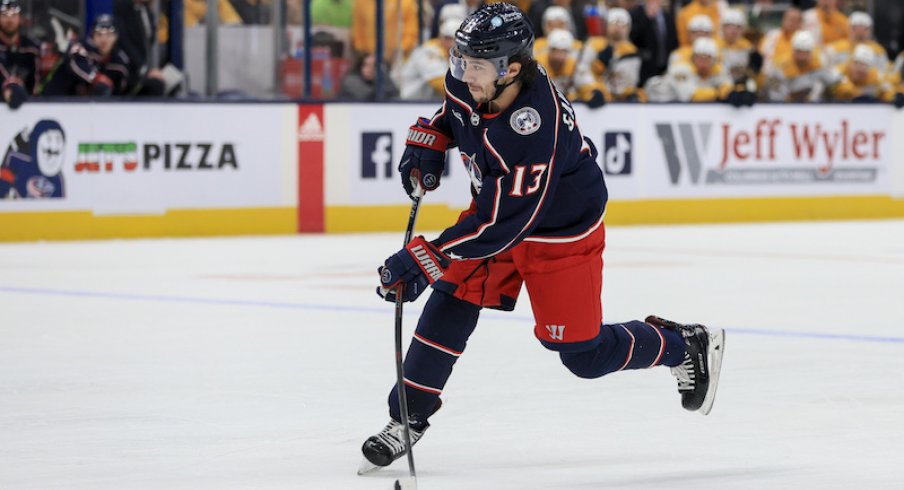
(189, 169)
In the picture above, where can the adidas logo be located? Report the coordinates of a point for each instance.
(310, 129)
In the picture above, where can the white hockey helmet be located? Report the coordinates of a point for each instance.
(803, 41)
(618, 16)
(556, 13)
(706, 46)
(560, 39)
(700, 23)
(864, 54)
(448, 28)
(733, 17)
(862, 19)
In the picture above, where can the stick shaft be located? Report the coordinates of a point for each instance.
(400, 369)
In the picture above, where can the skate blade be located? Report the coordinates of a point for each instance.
(716, 349)
(367, 467)
(407, 483)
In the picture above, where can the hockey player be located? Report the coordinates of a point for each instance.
(570, 77)
(699, 27)
(803, 76)
(862, 81)
(840, 51)
(536, 218)
(614, 58)
(76, 74)
(708, 8)
(701, 80)
(826, 22)
(556, 17)
(777, 42)
(896, 78)
(18, 57)
(109, 59)
(734, 48)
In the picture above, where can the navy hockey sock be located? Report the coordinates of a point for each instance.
(441, 335)
(631, 345)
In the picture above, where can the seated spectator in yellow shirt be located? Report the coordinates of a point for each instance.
(839, 52)
(826, 23)
(862, 81)
(573, 80)
(708, 8)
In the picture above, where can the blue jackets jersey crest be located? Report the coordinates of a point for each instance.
(533, 175)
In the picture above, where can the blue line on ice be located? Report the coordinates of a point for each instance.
(387, 309)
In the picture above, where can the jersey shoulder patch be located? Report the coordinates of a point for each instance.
(525, 121)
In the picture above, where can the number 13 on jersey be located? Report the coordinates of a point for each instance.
(536, 174)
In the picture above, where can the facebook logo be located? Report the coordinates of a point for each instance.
(617, 153)
(376, 155)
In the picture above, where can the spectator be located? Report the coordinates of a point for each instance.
(19, 56)
(709, 8)
(733, 47)
(862, 81)
(614, 59)
(777, 42)
(333, 13)
(555, 18)
(400, 27)
(360, 82)
(700, 80)
(196, 13)
(107, 57)
(861, 24)
(136, 27)
(575, 12)
(424, 74)
(826, 23)
(801, 77)
(701, 26)
(572, 79)
(653, 32)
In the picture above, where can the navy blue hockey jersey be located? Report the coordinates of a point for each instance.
(534, 176)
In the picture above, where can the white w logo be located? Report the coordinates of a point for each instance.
(682, 136)
(556, 332)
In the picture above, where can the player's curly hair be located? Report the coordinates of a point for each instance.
(529, 71)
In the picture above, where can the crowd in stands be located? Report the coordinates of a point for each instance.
(596, 51)
(640, 51)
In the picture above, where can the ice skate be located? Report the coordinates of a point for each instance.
(388, 445)
(698, 375)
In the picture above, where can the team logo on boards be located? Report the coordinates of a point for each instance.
(376, 155)
(33, 163)
(617, 153)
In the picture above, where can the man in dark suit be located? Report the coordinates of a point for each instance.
(654, 34)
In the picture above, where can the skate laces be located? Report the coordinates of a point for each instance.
(685, 373)
(392, 436)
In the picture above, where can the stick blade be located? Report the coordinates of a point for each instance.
(407, 483)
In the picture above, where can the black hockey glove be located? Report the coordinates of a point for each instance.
(736, 98)
(899, 100)
(749, 98)
(424, 157)
(596, 100)
(16, 95)
(605, 56)
(414, 268)
(864, 99)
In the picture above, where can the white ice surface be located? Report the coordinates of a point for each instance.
(264, 363)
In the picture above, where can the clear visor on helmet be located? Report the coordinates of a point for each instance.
(484, 69)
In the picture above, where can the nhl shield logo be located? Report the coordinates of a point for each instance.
(525, 121)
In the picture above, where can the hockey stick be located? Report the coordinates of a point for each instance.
(409, 483)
